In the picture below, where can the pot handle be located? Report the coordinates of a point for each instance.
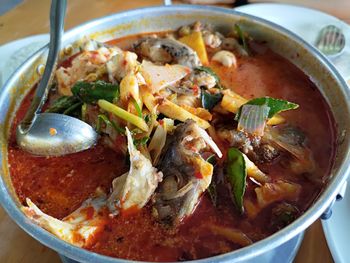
(167, 2)
(340, 196)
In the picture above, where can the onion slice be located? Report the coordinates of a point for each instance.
(158, 77)
(209, 141)
(253, 119)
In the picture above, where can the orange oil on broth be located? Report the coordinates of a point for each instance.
(58, 185)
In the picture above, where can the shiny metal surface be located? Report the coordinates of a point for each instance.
(52, 134)
(331, 40)
(55, 134)
(307, 58)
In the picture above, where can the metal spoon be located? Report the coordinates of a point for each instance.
(52, 134)
(331, 40)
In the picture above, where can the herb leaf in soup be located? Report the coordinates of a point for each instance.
(212, 187)
(212, 73)
(236, 173)
(209, 71)
(275, 105)
(282, 215)
(242, 37)
(90, 92)
(62, 104)
(141, 141)
(137, 108)
(210, 100)
(213, 193)
(102, 118)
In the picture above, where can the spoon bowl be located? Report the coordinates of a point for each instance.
(51, 134)
(55, 134)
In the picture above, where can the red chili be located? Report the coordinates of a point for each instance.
(195, 89)
(198, 175)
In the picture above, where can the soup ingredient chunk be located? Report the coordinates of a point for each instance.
(167, 50)
(132, 190)
(186, 174)
(78, 228)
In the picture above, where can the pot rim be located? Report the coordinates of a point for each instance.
(257, 248)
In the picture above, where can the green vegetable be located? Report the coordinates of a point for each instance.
(212, 187)
(121, 113)
(242, 38)
(147, 118)
(213, 193)
(62, 104)
(212, 159)
(275, 105)
(83, 111)
(210, 100)
(73, 108)
(137, 107)
(236, 173)
(253, 119)
(210, 72)
(282, 215)
(90, 92)
(104, 119)
(142, 141)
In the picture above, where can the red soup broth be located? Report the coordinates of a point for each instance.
(58, 185)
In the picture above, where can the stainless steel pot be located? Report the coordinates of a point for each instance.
(307, 58)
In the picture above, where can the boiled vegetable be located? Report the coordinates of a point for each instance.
(90, 92)
(62, 104)
(158, 142)
(231, 101)
(210, 72)
(141, 141)
(275, 105)
(174, 111)
(210, 100)
(195, 41)
(236, 173)
(212, 187)
(102, 118)
(242, 38)
(123, 114)
(282, 215)
(253, 119)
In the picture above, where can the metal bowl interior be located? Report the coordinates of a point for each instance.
(154, 19)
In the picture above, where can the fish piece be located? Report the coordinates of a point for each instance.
(83, 65)
(292, 140)
(122, 64)
(186, 174)
(132, 190)
(167, 50)
(78, 228)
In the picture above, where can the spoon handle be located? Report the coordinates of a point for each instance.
(57, 14)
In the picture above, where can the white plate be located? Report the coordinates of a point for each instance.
(307, 23)
(14, 53)
(337, 229)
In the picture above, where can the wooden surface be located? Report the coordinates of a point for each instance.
(31, 17)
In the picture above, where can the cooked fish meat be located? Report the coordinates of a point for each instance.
(186, 174)
(167, 50)
(132, 190)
